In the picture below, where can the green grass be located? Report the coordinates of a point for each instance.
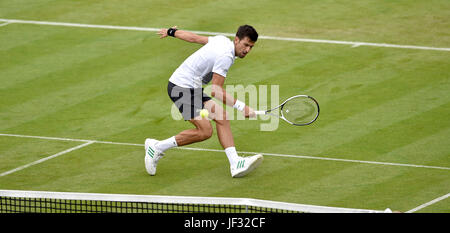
(377, 104)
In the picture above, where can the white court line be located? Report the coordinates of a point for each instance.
(242, 152)
(429, 203)
(354, 44)
(4, 24)
(46, 158)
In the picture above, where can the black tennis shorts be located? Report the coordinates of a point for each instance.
(188, 100)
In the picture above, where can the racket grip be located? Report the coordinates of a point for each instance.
(260, 112)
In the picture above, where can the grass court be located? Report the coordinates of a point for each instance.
(381, 141)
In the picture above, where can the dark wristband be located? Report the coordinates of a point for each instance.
(171, 32)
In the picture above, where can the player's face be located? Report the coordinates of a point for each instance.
(242, 47)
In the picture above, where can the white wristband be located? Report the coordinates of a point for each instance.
(239, 105)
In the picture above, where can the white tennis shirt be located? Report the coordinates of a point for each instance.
(216, 56)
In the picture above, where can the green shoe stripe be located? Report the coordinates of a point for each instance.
(150, 152)
(240, 164)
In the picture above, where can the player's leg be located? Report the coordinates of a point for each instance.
(203, 130)
(189, 102)
(154, 149)
(220, 116)
(239, 166)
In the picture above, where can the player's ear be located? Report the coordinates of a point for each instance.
(236, 40)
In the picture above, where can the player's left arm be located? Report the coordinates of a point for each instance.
(183, 35)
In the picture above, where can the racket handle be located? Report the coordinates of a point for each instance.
(260, 112)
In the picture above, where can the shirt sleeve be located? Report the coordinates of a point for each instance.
(222, 64)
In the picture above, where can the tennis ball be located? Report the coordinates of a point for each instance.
(204, 113)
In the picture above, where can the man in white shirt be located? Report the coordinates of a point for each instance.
(210, 63)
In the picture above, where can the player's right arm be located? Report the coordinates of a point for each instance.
(218, 92)
(184, 35)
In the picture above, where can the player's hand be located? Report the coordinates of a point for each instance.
(163, 32)
(249, 112)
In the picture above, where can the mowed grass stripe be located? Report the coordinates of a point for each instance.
(277, 179)
(349, 93)
(17, 36)
(338, 183)
(89, 55)
(88, 70)
(85, 169)
(378, 187)
(15, 152)
(47, 42)
(94, 77)
(44, 8)
(361, 123)
(408, 188)
(91, 47)
(111, 116)
(378, 143)
(124, 90)
(427, 149)
(201, 177)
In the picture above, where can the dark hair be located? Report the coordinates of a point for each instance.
(247, 31)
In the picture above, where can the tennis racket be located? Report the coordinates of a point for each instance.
(297, 110)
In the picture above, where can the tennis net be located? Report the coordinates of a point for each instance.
(15, 201)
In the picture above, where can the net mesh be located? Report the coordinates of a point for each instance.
(48, 205)
(57, 202)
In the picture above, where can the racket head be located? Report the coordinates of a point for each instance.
(300, 110)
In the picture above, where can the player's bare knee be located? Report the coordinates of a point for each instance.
(205, 133)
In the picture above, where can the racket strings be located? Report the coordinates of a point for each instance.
(300, 110)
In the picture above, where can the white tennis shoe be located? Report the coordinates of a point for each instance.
(245, 165)
(152, 156)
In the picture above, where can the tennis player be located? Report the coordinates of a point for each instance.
(208, 64)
